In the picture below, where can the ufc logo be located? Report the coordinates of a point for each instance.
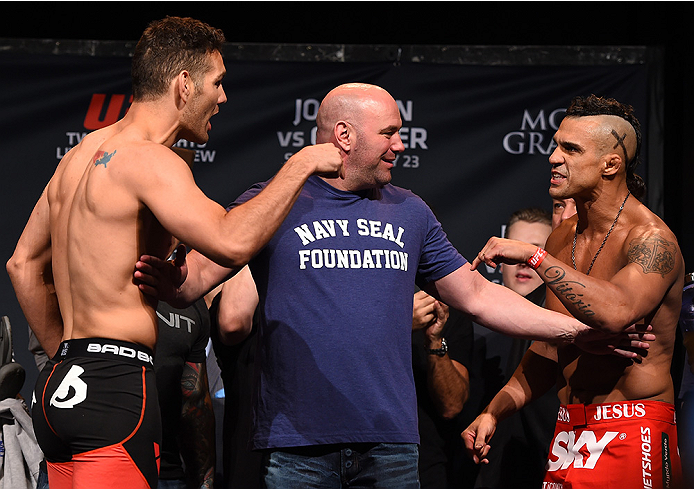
(566, 450)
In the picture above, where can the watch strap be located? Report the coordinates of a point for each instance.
(439, 351)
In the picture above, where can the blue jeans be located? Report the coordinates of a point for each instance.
(42, 482)
(353, 466)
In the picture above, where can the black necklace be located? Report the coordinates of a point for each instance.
(573, 248)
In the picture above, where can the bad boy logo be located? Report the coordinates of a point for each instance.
(71, 391)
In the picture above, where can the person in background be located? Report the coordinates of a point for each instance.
(562, 209)
(441, 349)
(234, 335)
(187, 418)
(524, 437)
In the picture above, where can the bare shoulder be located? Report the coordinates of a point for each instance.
(136, 161)
(653, 246)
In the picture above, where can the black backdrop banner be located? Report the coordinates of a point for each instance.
(477, 138)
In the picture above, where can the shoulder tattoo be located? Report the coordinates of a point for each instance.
(102, 158)
(654, 254)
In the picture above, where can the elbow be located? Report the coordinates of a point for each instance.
(613, 325)
(235, 257)
(232, 329)
(241, 256)
(452, 410)
(454, 407)
(14, 267)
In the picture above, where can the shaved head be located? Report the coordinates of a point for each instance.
(614, 135)
(348, 103)
(363, 121)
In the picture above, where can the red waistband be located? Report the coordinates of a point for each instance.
(588, 414)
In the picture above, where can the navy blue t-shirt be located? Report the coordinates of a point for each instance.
(336, 283)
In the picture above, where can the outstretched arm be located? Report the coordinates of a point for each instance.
(30, 270)
(230, 238)
(654, 264)
(500, 309)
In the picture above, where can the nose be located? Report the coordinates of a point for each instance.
(396, 144)
(555, 157)
(222, 97)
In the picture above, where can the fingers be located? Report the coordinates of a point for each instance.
(641, 343)
(441, 312)
(482, 257)
(486, 256)
(478, 450)
(146, 273)
(180, 258)
(153, 261)
(147, 290)
(630, 355)
(475, 263)
(639, 328)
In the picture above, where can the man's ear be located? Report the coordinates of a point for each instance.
(612, 163)
(184, 86)
(343, 132)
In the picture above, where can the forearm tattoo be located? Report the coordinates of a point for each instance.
(197, 427)
(654, 254)
(568, 289)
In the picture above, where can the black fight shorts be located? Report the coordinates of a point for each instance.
(96, 416)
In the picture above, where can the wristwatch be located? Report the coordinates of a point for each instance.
(439, 351)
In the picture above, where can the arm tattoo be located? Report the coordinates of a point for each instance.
(197, 425)
(654, 254)
(568, 289)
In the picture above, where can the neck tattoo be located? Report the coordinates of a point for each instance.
(573, 248)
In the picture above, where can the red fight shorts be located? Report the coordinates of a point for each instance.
(629, 444)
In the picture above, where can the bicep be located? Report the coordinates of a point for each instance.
(169, 191)
(653, 264)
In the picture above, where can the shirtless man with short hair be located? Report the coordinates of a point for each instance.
(612, 265)
(122, 192)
